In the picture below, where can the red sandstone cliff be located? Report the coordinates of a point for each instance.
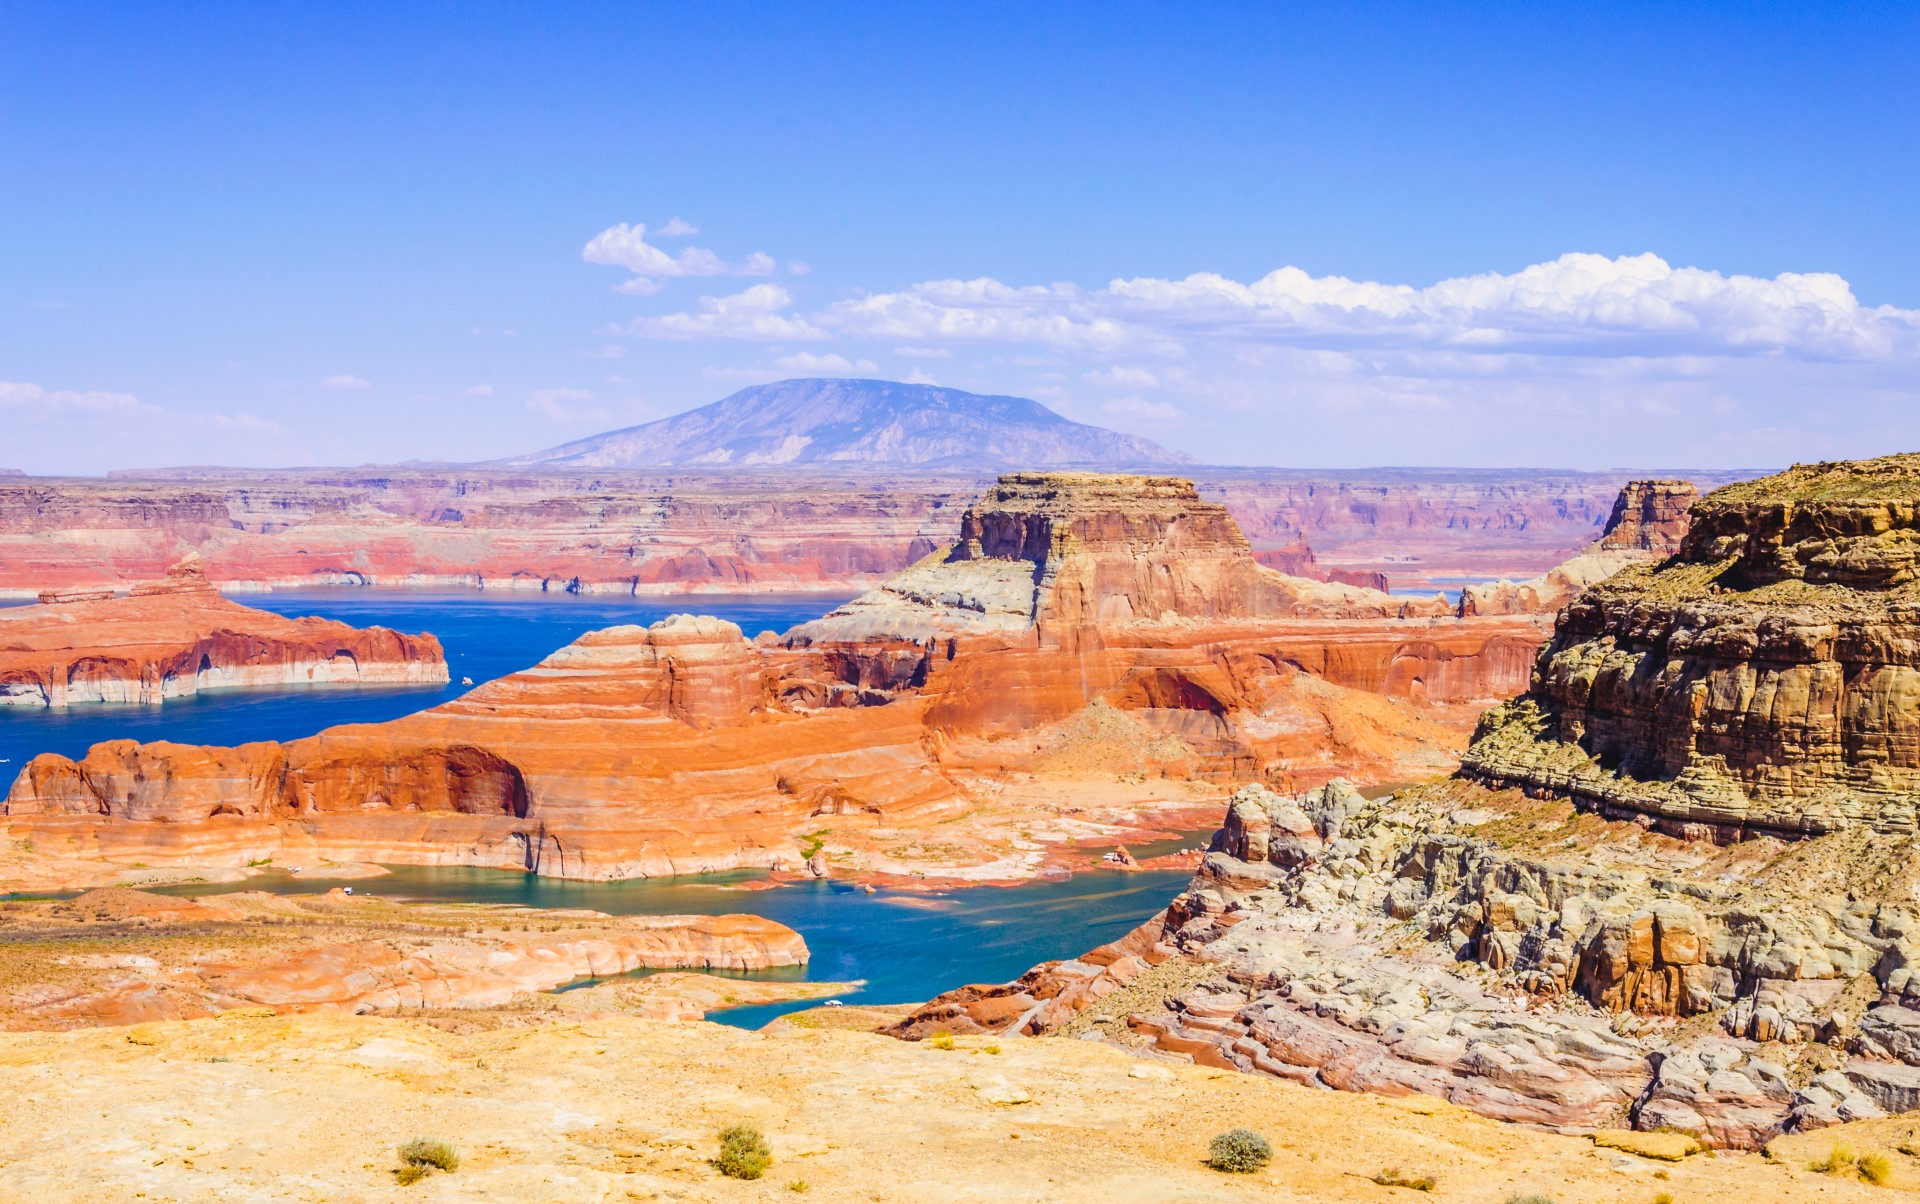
(1078, 617)
(175, 637)
(679, 532)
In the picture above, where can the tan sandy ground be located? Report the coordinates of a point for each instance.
(250, 1107)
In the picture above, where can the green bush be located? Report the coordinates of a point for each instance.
(744, 1153)
(438, 1155)
(1239, 1152)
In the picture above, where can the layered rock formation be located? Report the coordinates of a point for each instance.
(1573, 930)
(1763, 678)
(1648, 522)
(176, 637)
(338, 953)
(690, 531)
(1113, 626)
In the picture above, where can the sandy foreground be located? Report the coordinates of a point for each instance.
(248, 1106)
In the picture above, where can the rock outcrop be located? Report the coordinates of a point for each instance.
(1079, 624)
(1574, 931)
(176, 637)
(1648, 522)
(691, 531)
(338, 952)
(1764, 678)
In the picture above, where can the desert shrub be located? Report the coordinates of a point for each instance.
(1239, 1152)
(992, 1049)
(799, 1185)
(430, 1155)
(1839, 1160)
(1391, 1177)
(1876, 1168)
(942, 1041)
(744, 1153)
(1533, 1198)
(409, 1175)
(1665, 1197)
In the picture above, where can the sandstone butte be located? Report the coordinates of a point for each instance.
(1673, 885)
(690, 532)
(1091, 651)
(178, 636)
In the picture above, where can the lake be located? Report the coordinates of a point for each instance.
(485, 636)
(907, 945)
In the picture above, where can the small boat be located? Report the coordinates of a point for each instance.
(466, 681)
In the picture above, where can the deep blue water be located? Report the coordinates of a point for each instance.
(908, 946)
(485, 636)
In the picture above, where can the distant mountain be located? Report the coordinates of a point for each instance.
(859, 422)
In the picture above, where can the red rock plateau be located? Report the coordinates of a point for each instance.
(1675, 882)
(691, 532)
(179, 636)
(1092, 654)
(120, 956)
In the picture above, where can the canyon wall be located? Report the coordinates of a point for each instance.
(677, 532)
(178, 636)
(1675, 882)
(1119, 624)
(1763, 678)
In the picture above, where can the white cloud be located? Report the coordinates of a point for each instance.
(924, 353)
(477, 391)
(345, 381)
(1123, 377)
(626, 246)
(755, 313)
(1578, 305)
(677, 228)
(553, 404)
(917, 377)
(1136, 407)
(806, 361)
(31, 399)
(798, 267)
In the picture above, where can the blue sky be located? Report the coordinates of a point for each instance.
(347, 234)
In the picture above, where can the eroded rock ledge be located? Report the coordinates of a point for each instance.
(1519, 958)
(173, 638)
(1765, 678)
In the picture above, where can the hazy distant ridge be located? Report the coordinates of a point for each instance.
(859, 422)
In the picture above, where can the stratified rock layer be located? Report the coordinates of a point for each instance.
(1117, 622)
(176, 637)
(1765, 677)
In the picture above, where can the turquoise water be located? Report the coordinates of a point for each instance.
(485, 636)
(907, 945)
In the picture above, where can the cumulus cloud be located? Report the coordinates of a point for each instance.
(678, 228)
(1652, 364)
(556, 405)
(346, 381)
(757, 312)
(626, 246)
(808, 362)
(1138, 407)
(25, 397)
(1578, 305)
